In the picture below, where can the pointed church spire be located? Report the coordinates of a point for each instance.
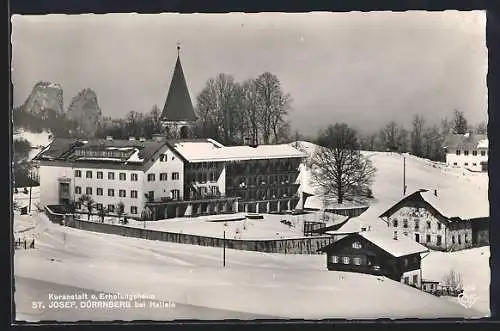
(178, 106)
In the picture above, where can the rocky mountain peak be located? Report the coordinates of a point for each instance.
(84, 109)
(45, 97)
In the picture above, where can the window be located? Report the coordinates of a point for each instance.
(162, 158)
(439, 226)
(111, 175)
(88, 174)
(474, 153)
(88, 190)
(417, 225)
(123, 176)
(415, 279)
(454, 163)
(407, 280)
(78, 173)
(466, 238)
(111, 208)
(356, 245)
(98, 206)
(176, 194)
(78, 190)
(428, 238)
(175, 176)
(151, 177)
(133, 177)
(357, 261)
(133, 194)
(474, 164)
(459, 237)
(334, 259)
(345, 260)
(111, 192)
(466, 153)
(428, 224)
(122, 193)
(133, 209)
(151, 195)
(99, 191)
(405, 224)
(483, 153)
(395, 223)
(417, 237)
(438, 240)
(466, 164)
(458, 152)
(406, 234)
(452, 239)
(99, 175)
(163, 176)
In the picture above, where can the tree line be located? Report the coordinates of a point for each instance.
(423, 140)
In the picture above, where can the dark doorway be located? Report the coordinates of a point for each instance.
(417, 237)
(183, 132)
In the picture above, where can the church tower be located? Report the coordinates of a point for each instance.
(178, 114)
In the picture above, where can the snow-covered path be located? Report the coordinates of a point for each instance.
(285, 286)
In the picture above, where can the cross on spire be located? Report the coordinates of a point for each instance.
(178, 48)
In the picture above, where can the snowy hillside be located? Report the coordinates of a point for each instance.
(257, 284)
(420, 174)
(37, 140)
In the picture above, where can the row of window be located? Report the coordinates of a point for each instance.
(163, 176)
(345, 260)
(111, 208)
(474, 153)
(416, 224)
(465, 164)
(111, 175)
(407, 280)
(111, 192)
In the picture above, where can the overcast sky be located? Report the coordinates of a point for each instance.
(365, 69)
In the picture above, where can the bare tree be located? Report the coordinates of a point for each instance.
(87, 201)
(389, 136)
(481, 128)
(433, 143)
(120, 210)
(453, 280)
(250, 110)
(459, 122)
(338, 167)
(446, 127)
(273, 106)
(102, 212)
(417, 132)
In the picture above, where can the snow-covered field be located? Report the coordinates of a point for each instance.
(258, 284)
(270, 227)
(420, 174)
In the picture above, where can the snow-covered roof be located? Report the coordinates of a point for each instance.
(369, 220)
(396, 247)
(483, 143)
(470, 141)
(210, 151)
(453, 203)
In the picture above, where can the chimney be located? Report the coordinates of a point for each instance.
(395, 235)
(131, 138)
(142, 139)
(109, 138)
(436, 193)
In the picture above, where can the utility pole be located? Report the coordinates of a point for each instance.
(404, 175)
(224, 250)
(29, 205)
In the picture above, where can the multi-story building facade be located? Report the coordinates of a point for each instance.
(439, 222)
(171, 178)
(469, 151)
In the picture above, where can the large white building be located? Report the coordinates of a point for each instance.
(172, 178)
(469, 151)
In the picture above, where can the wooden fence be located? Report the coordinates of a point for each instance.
(309, 245)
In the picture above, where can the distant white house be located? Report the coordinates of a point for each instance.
(469, 151)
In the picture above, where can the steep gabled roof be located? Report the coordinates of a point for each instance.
(466, 142)
(449, 204)
(402, 246)
(178, 106)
